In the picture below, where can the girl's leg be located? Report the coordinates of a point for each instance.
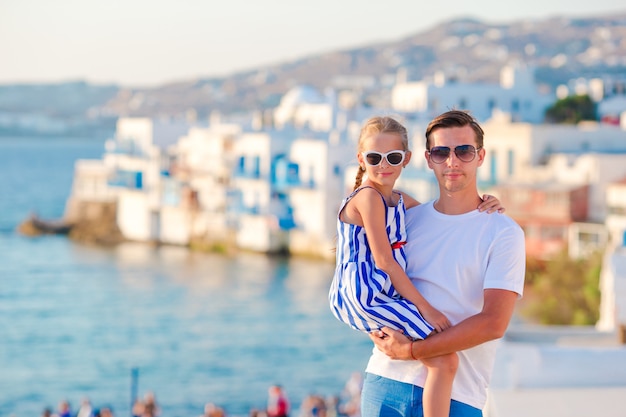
(438, 386)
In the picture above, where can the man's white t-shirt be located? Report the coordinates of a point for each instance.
(451, 260)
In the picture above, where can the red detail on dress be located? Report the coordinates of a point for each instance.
(398, 245)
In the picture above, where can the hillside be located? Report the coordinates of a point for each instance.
(560, 48)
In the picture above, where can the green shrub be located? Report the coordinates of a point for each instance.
(562, 291)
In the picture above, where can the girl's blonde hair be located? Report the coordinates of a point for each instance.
(374, 126)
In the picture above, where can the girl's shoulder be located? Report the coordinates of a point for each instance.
(366, 191)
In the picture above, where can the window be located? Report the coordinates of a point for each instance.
(256, 167)
(588, 237)
(553, 233)
(515, 105)
(511, 162)
(555, 199)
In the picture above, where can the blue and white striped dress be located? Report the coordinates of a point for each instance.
(362, 295)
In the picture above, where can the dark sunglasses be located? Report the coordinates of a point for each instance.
(373, 158)
(465, 153)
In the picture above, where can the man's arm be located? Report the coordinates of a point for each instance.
(489, 324)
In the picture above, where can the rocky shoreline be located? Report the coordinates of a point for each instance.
(86, 222)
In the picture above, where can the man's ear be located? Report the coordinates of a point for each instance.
(427, 156)
(481, 156)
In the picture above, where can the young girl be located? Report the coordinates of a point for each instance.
(370, 288)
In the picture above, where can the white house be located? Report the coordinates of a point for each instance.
(571, 371)
(134, 158)
(588, 153)
(552, 371)
(196, 189)
(261, 210)
(305, 107)
(616, 207)
(516, 95)
(321, 165)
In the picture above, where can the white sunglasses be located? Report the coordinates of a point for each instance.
(394, 158)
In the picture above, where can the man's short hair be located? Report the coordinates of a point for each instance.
(455, 118)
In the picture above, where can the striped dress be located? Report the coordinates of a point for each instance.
(361, 295)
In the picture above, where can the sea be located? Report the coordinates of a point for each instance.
(112, 323)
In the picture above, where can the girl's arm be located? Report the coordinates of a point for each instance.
(368, 205)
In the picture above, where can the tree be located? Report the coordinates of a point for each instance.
(571, 110)
(562, 291)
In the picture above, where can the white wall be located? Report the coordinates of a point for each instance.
(138, 130)
(133, 215)
(175, 226)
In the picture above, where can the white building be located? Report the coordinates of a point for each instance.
(261, 210)
(565, 371)
(134, 157)
(613, 110)
(616, 217)
(588, 153)
(321, 168)
(196, 189)
(305, 107)
(516, 95)
(552, 371)
(613, 276)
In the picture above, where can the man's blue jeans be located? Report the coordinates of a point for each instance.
(383, 397)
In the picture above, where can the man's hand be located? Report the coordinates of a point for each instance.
(489, 324)
(392, 343)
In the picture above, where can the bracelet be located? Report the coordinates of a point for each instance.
(411, 350)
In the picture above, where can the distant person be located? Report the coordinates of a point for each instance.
(469, 265)
(370, 288)
(64, 409)
(212, 410)
(85, 409)
(138, 408)
(351, 403)
(150, 406)
(146, 407)
(313, 405)
(332, 405)
(104, 412)
(255, 412)
(277, 402)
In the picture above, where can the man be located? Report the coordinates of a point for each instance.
(469, 265)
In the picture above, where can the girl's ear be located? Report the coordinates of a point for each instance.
(359, 158)
(407, 159)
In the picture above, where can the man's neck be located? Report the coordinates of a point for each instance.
(457, 203)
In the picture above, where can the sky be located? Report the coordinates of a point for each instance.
(144, 43)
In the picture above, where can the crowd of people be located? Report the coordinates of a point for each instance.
(345, 404)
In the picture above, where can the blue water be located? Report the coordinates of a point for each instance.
(75, 320)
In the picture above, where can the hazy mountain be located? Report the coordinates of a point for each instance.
(560, 48)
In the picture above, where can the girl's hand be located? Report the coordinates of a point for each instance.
(490, 204)
(436, 319)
